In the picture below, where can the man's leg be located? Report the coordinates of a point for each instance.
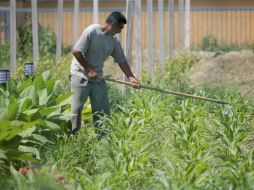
(99, 103)
(79, 96)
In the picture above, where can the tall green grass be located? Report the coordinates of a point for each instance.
(157, 141)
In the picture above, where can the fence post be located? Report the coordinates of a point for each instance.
(119, 37)
(7, 26)
(13, 37)
(95, 12)
(35, 32)
(187, 24)
(75, 21)
(181, 23)
(138, 40)
(59, 30)
(150, 37)
(128, 49)
(162, 33)
(171, 27)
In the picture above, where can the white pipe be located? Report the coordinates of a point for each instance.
(150, 37)
(187, 24)
(138, 39)
(13, 37)
(95, 11)
(128, 49)
(171, 27)
(59, 30)
(35, 32)
(162, 33)
(75, 21)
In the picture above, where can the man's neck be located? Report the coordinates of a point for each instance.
(104, 29)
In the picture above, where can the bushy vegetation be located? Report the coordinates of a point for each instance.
(156, 141)
(153, 141)
(30, 111)
(47, 45)
(210, 43)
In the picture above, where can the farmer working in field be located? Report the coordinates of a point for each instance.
(96, 43)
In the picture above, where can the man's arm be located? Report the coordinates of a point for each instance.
(127, 71)
(82, 61)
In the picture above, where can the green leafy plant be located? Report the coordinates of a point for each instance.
(30, 110)
(209, 43)
(155, 140)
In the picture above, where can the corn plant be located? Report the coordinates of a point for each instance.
(158, 141)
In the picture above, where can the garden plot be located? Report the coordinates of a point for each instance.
(232, 69)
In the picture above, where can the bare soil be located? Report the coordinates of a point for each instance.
(232, 69)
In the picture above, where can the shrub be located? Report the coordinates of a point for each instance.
(209, 43)
(30, 112)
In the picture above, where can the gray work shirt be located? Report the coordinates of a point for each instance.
(96, 47)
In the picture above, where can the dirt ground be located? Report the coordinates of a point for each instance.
(232, 69)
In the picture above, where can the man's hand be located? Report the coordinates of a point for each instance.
(135, 82)
(91, 74)
(127, 71)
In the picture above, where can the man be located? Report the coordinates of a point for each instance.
(91, 50)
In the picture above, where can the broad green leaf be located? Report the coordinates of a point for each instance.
(46, 111)
(39, 82)
(11, 144)
(27, 141)
(25, 92)
(10, 112)
(48, 124)
(46, 75)
(56, 113)
(24, 104)
(50, 84)
(29, 149)
(18, 155)
(4, 93)
(31, 111)
(66, 116)
(64, 99)
(41, 139)
(2, 113)
(24, 85)
(27, 132)
(43, 97)
(3, 101)
(24, 117)
(9, 129)
(52, 125)
(33, 114)
(2, 155)
(30, 93)
(56, 89)
(87, 110)
(30, 115)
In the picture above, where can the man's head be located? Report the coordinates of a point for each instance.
(115, 22)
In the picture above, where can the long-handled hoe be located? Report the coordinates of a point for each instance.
(166, 91)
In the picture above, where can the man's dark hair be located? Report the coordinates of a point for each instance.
(116, 18)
